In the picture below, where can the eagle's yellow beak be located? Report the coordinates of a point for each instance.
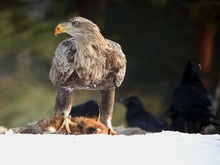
(60, 28)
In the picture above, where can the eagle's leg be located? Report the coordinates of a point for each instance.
(63, 106)
(107, 104)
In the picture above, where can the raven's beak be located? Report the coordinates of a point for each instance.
(121, 100)
(200, 66)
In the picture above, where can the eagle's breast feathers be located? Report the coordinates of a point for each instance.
(90, 63)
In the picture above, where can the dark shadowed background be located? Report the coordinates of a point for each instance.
(157, 36)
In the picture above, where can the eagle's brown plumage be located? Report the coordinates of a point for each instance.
(86, 61)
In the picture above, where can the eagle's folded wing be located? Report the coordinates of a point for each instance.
(63, 61)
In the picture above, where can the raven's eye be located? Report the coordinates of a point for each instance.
(75, 23)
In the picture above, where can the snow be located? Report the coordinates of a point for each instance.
(167, 147)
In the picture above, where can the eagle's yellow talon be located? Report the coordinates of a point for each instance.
(66, 124)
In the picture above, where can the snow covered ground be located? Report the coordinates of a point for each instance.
(167, 147)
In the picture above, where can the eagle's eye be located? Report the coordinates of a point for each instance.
(75, 23)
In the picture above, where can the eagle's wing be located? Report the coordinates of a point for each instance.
(63, 61)
(117, 63)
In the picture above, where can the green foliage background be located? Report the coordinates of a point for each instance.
(157, 37)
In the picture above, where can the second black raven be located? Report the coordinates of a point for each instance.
(138, 116)
(89, 109)
(192, 107)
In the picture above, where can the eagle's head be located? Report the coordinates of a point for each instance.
(77, 27)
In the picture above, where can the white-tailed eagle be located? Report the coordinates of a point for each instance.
(86, 61)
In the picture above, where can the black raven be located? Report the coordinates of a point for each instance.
(192, 107)
(138, 116)
(89, 108)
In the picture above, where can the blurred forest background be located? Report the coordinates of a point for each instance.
(157, 36)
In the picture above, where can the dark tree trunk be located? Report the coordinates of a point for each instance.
(205, 36)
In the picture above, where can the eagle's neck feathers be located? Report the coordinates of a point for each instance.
(90, 57)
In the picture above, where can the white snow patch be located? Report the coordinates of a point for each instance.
(166, 147)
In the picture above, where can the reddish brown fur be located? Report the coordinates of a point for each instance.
(46, 125)
(42, 127)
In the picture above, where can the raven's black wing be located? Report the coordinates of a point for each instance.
(190, 99)
(88, 109)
